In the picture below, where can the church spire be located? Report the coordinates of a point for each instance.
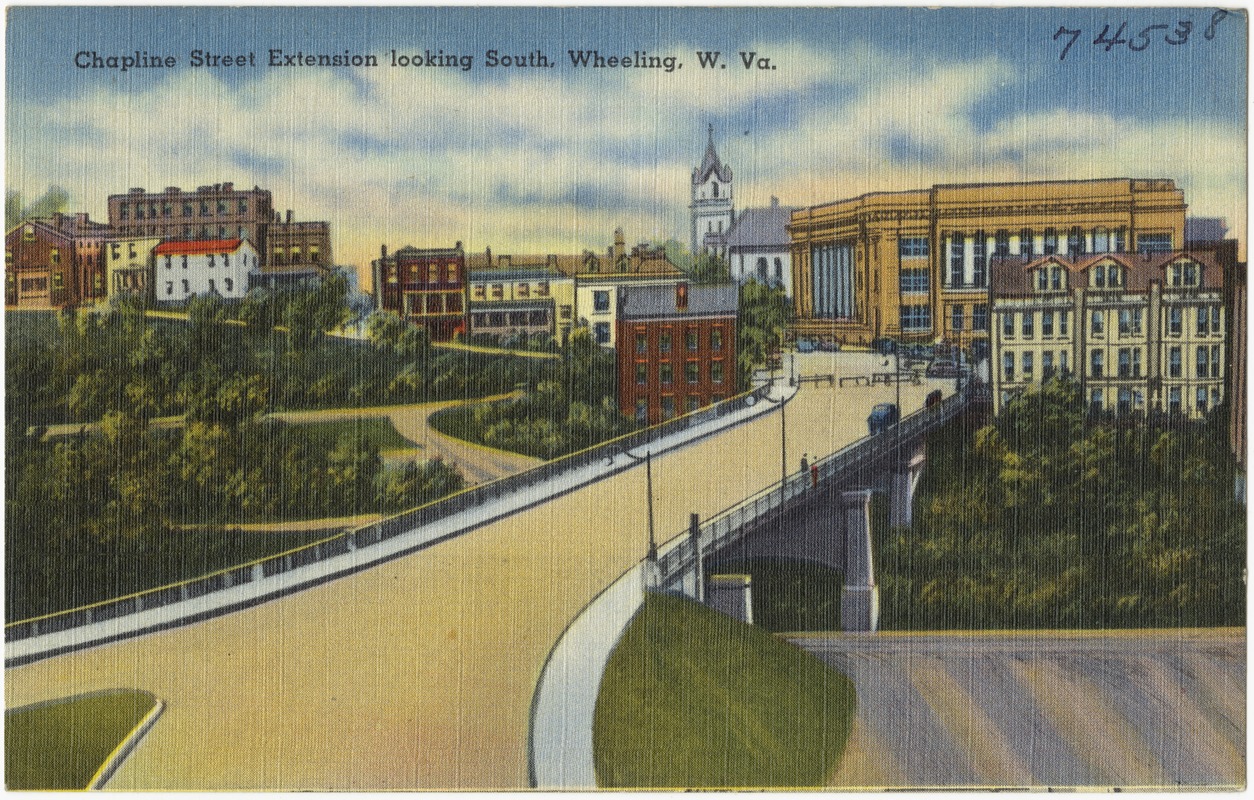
(711, 163)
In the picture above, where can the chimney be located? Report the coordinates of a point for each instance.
(681, 296)
(383, 252)
(81, 218)
(58, 220)
(620, 246)
(774, 201)
(227, 187)
(289, 216)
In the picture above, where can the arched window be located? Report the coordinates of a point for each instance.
(714, 186)
(762, 269)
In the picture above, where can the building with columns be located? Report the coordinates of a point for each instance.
(713, 209)
(1141, 332)
(914, 265)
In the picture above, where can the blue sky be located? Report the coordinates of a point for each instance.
(537, 160)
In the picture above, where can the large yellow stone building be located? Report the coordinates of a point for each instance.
(914, 265)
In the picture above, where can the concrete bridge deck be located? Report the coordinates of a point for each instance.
(419, 673)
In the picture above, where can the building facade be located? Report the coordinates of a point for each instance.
(713, 208)
(129, 267)
(758, 247)
(426, 287)
(222, 267)
(55, 262)
(526, 299)
(222, 212)
(1140, 332)
(599, 277)
(914, 265)
(677, 348)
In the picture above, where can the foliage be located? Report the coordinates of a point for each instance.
(17, 212)
(709, 268)
(763, 320)
(61, 744)
(1048, 519)
(573, 409)
(694, 699)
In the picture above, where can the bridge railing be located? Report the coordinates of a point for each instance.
(364, 536)
(677, 559)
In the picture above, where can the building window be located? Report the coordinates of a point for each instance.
(1101, 240)
(664, 343)
(694, 402)
(1026, 242)
(1097, 361)
(1201, 400)
(169, 287)
(716, 372)
(916, 318)
(230, 284)
(1027, 366)
(1120, 243)
(1055, 279)
(1099, 276)
(542, 289)
(186, 286)
(914, 281)
(1029, 324)
(716, 339)
(1129, 322)
(642, 373)
(1042, 279)
(211, 259)
(692, 372)
(1203, 362)
(1214, 361)
(212, 288)
(1047, 323)
(1007, 325)
(498, 291)
(979, 260)
(642, 410)
(1098, 325)
(521, 290)
(1047, 365)
(642, 343)
(956, 318)
(1125, 362)
(1203, 320)
(1153, 243)
(1174, 402)
(1174, 362)
(450, 270)
(1062, 360)
(957, 255)
(1175, 321)
(601, 331)
(55, 256)
(913, 247)
(1051, 242)
(184, 262)
(601, 301)
(1008, 366)
(1001, 244)
(453, 302)
(1124, 404)
(58, 280)
(692, 339)
(1095, 400)
(1075, 243)
(668, 407)
(979, 317)
(665, 373)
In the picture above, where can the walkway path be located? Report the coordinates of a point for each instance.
(1151, 709)
(419, 672)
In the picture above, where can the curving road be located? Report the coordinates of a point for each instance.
(1131, 709)
(419, 673)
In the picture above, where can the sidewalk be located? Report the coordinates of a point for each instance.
(262, 588)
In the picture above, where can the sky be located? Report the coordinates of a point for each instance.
(553, 159)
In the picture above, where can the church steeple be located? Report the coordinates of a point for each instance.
(712, 209)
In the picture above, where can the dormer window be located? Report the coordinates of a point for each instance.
(1042, 279)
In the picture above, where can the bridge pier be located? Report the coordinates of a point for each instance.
(860, 597)
(731, 595)
(902, 483)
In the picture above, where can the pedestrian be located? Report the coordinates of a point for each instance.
(805, 461)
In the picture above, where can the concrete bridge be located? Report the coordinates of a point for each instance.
(420, 671)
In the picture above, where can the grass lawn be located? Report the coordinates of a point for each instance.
(62, 743)
(791, 596)
(694, 699)
(375, 432)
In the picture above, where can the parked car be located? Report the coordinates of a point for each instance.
(943, 367)
(883, 417)
(806, 346)
(829, 346)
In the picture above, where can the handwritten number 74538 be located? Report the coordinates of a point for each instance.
(1181, 34)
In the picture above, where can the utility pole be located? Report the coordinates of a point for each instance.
(648, 477)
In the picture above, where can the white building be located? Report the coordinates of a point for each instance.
(217, 266)
(759, 248)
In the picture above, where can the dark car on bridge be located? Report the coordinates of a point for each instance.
(883, 417)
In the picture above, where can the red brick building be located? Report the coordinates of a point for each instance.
(676, 348)
(426, 287)
(55, 262)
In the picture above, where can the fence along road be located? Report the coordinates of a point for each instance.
(419, 672)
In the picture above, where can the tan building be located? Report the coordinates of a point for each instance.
(914, 265)
(1140, 332)
(522, 294)
(129, 266)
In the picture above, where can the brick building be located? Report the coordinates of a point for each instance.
(676, 348)
(426, 287)
(55, 262)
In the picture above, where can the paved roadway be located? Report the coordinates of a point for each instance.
(1153, 709)
(419, 673)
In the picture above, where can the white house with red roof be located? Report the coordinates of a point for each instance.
(184, 269)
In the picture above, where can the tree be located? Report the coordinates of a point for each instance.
(709, 268)
(51, 201)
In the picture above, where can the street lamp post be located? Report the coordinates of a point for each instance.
(648, 479)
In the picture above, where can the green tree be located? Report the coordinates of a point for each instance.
(15, 212)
